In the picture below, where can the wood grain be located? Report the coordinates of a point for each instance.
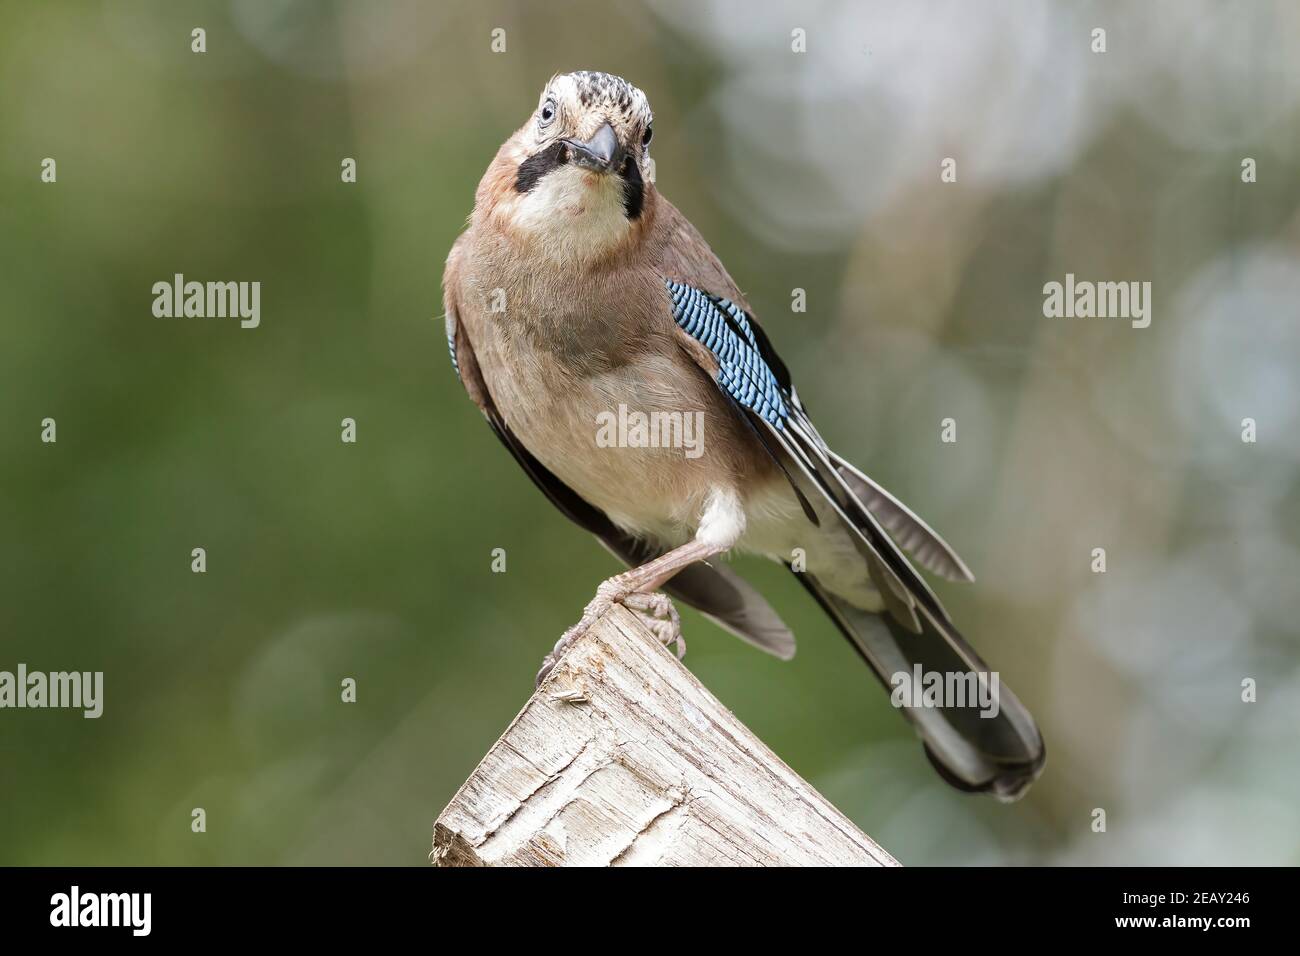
(623, 758)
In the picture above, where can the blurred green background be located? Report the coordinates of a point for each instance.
(817, 171)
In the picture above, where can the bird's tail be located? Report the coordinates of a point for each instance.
(988, 741)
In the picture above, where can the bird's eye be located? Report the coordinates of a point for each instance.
(548, 113)
(648, 135)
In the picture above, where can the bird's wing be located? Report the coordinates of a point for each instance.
(919, 540)
(1002, 755)
(714, 590)
(724, 341)
(687, 260)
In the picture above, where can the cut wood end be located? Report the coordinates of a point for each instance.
(621, 757)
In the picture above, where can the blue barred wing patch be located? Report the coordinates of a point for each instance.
(723, 328)
(451, 344)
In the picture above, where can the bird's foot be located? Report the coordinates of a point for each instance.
(654, 609)
(607, 594)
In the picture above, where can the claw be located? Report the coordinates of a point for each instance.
(657, 612)
(655, 609)
(562, 645)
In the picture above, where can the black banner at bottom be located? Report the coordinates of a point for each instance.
(909, 906)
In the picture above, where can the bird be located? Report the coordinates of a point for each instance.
(577, 291)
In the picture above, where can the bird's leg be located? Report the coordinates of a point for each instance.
(635, 589)
(720, 527)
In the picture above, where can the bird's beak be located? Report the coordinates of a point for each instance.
(600, 153)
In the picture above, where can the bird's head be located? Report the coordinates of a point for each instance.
(576, 180)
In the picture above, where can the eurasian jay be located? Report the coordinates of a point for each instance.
(579, 290)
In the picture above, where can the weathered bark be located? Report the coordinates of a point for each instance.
(623, 758)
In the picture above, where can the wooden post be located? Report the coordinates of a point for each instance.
(623, 758)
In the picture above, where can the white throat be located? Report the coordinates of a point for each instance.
(573, 214)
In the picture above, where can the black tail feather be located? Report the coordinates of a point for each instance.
(1000, 755)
